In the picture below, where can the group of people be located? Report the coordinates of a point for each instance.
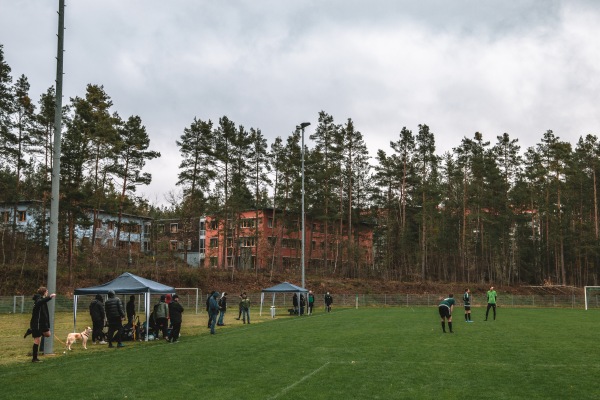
(446, 307)
(299, 304)
(216, 307)
(167, 314)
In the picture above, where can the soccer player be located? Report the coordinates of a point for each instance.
(491, 299)
(467, 302)
(445, 308)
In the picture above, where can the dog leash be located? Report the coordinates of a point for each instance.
(56, 337)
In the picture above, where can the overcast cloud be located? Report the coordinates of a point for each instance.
(459, 66)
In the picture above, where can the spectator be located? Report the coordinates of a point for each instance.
(161, 314)
(213, 310)
(240, 305)
(302, 304)
(208, 308)
(328, 302)
(175, 311)
(130, 310)
(222, 309)
(295, 302)
(115, 316)
(245, 308)
(311, 302)
(40, 320)
(98, 319)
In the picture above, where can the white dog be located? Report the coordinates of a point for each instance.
(73, 336)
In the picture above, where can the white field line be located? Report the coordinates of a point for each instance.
(305, 377)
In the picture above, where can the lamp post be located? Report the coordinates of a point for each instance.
(301, 127)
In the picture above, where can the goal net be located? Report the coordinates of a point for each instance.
(592, 296)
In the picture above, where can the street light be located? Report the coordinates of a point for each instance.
(301, 127)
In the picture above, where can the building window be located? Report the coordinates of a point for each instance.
(214, 224)
(173, 228)
(214, 242)
(248, 223)
(111, 225)
(214, 261)
(202, 246)
(290, 243)
(270, 223)
(272, 240)
(247, 242)
(173, 245)
(22, 216)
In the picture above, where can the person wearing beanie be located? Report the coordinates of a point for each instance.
(175, 311)
(98, 317)
(115, 316)
(213, 311)
(161, 313)
(222, 309)
(328, 302)
(245, 308)
(40, 320)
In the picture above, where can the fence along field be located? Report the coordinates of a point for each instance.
(365, 353)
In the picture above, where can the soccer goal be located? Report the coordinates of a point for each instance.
(189, 298)
(592, 296)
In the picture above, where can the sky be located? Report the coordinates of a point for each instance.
(461, 66)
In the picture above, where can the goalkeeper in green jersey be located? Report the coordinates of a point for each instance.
(445, 308)
(491, 300)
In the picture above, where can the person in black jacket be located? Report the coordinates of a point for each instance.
(130, 308)
(114, 315)
(40, 319)
(98, 317)
(175, 311)
(222, 309)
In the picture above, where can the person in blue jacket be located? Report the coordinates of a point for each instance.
(213, 311)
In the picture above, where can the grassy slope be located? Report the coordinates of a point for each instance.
(387, 353)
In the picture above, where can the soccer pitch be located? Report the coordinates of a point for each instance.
(368, 353)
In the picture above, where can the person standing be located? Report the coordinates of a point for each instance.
(115, 315)
(245, 308)
(328, 302)
(130, 308)
(161, 313)
(40, 320)
(491, 300)
(240, 305)
(98, 318)
(445, 309)
(295, 303)
(213, 311)
(208, 308)
(467, 303)
(311, 302)
(222, 309)
(175, 311)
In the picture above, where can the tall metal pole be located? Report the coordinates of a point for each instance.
(53, 240)
(302, 126)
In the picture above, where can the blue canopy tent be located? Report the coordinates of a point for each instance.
(126, 283)
(284, 287)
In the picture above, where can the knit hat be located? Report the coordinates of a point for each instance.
(175, 296)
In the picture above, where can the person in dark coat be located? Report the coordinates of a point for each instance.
(175, 311)
(40, 319)
(115, 316)
(208, 309)
(222, 309)
(213, 311)
(98, 317)
(130, 309)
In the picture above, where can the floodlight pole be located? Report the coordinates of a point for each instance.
(53, 238)
(301, 127)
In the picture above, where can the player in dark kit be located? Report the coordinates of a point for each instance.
(467, 303)
(445, 308)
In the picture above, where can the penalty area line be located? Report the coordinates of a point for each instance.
(305, 377)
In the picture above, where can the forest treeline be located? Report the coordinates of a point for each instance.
(486, 211)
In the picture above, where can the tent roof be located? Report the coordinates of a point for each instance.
(284, 287)
(127, 283)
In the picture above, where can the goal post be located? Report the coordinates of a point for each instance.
(189, 297)
(592, 296)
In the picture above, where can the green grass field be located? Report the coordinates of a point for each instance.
(369, 353)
